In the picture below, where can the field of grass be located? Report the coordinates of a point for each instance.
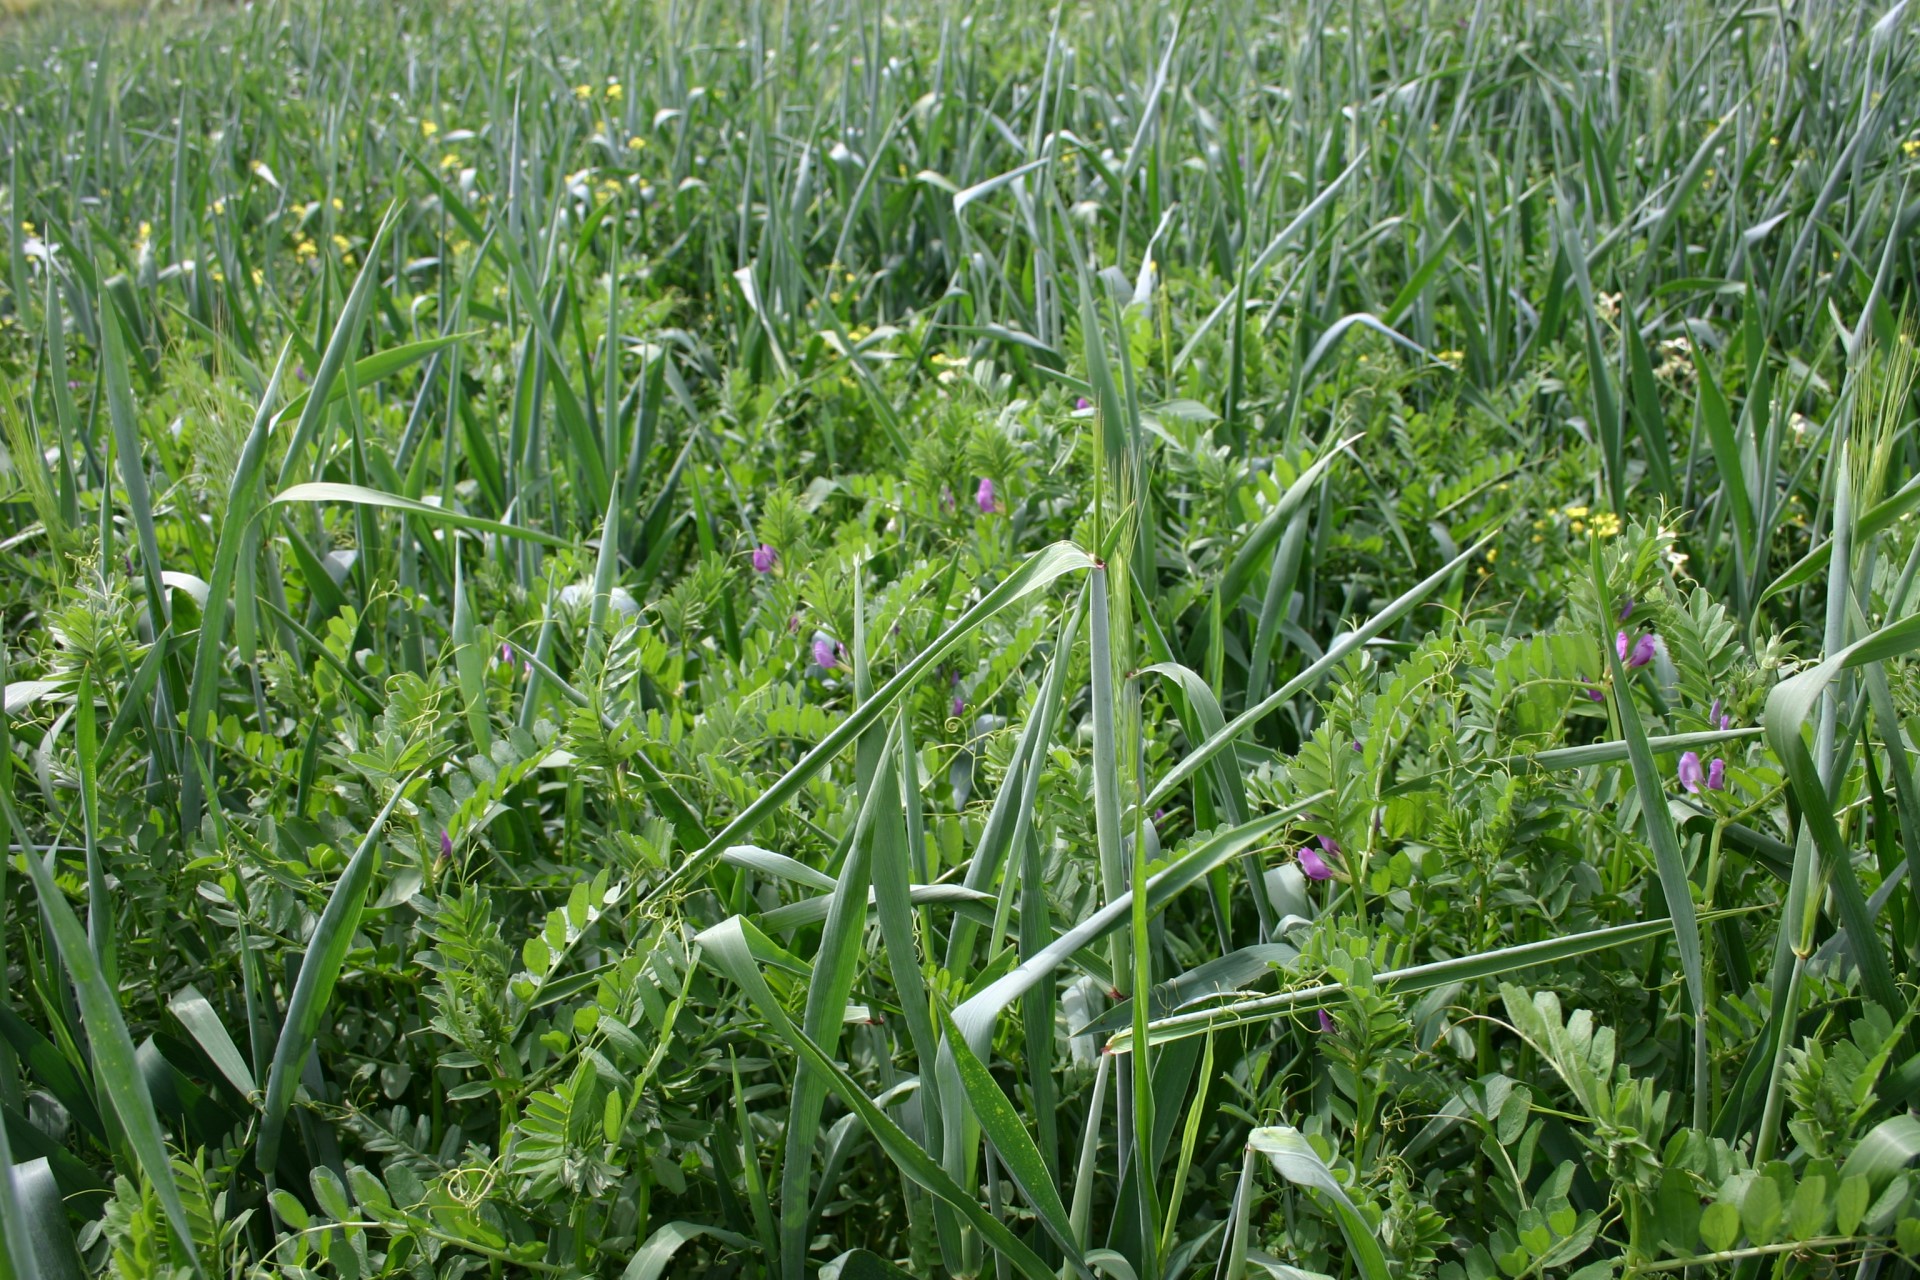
(930, 639)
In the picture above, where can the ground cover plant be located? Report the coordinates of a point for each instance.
(952, 640)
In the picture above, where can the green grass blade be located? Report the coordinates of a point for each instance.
(1294, 1158)
(209, 657)
(1409, 980)
(1004, 1128)
(346, 334)
(1036, 573)
(729, 949)
(1311, 675)
(115, 1061)
(360, 495)
(326, 954)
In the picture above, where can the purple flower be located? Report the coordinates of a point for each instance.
(1313, 865)
(446, 844)
(1717, 775)
(793, 624)
(1326, 1023)
(1329, 846)
(764, 558)
(959, 706)
(1159, 814)
(1718, 718)
(1637, 653)
(1081, 402)
(985, 497)
(1593, 691)
(1691, 775)
(506, 653)
(1626, 608)
(824, 653)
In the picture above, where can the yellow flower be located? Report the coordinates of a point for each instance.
(259, 277)
(337, 205)
(341, 243)
(428, 128)
(219, 207)
(613, 91)
(636, 143)
(305, 249)
(26, 228)
(146, 232)
(449, 161)
(1575, 513)
(1493, 553)
(1579, 527)
(1911, 147)
(583, 91)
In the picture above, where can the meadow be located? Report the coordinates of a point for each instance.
(938, 639)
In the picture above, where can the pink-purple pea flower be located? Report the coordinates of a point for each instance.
(959, 706)
(764, 558)
(446, 845)
(825, 653)
(1693, 776)
(1635, 653)
(1313, 864)
(988, 501)
(1326, 1023)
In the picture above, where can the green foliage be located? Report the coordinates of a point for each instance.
(1137, 641)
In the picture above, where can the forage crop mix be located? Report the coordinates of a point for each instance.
(951, 640)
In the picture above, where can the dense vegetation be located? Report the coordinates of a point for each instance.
(627, 627)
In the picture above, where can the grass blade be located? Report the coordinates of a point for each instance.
(326, 953)
(116, 1063)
